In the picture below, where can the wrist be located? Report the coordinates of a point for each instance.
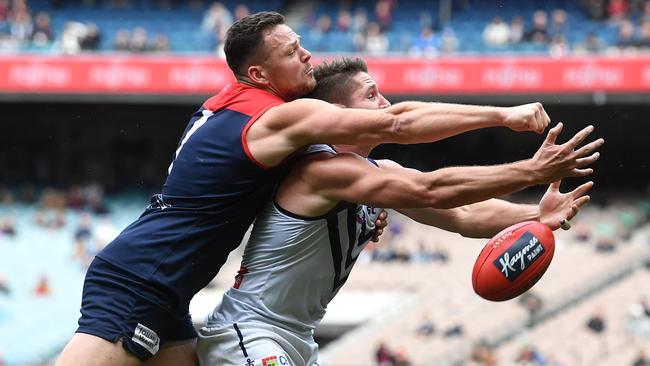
(501, 116)
(529, 171)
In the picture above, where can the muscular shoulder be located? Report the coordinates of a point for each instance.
(288, 114)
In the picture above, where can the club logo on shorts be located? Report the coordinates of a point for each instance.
(270, 361)
(147, 338)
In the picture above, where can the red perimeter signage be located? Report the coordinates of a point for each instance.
(130, 74)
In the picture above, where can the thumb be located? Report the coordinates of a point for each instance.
(555, 186)
(553, 133)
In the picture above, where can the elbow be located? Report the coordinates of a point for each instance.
(437, 199)
(433, 198)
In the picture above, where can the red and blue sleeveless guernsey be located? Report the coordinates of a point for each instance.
(214, 190)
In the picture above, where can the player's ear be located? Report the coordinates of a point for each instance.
(257, 74)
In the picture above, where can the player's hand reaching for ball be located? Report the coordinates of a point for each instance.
(556, 206)
(553, 162)
(526, 117)
(382, 222)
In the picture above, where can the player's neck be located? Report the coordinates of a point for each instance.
(249, 82)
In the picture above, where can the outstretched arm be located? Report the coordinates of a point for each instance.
(351, 178)
(286, 128)
(486, 219)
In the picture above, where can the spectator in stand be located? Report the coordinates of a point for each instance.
(626, 36)
(592, 45)
(426, 44)
(383, 14)
(644, 38)
(43, 286)
(22, 26)
(383, 356)
(483, 354)
(73, 33)
(426, 327)
(641, 359)
(8, 227)
(448, 41)
(121, 42)
(401, 358)
(558, 26)
(344, 21)
(4, 12)
(422, 254)
(637, 321)
(533, 304)
(4, 287)
(645, 12)
(516, 29)
(84, 230)
(319, 34)
(538, 34)
(596, 9)
(42, 34)
(617, 10)
(217, 19)
(496, 33)
(529, 356)
(596, 322)
(241, 11)
(376, 43)
(359, 21)
(439, 254)
(402, 254)
(161, 43)
(558, 47)
(92, 39)
(139, 41)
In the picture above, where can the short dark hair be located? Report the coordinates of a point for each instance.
(245, 37)
(334, 79)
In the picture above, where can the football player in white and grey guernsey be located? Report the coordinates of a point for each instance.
(307, 238)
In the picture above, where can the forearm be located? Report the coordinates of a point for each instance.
(457, 186)
(426, 122)
(479, 220)
(486, 219)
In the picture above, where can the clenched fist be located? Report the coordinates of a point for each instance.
(526, 117)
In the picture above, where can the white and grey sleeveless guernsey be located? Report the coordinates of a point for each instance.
(293, 266)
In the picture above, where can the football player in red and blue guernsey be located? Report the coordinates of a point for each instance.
(137, 290)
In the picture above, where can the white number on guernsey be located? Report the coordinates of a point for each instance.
(200, 122)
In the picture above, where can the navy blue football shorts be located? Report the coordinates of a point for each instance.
(117, 306)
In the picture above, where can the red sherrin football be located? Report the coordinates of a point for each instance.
(513, 261)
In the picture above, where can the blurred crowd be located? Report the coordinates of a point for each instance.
(79, 210)
(351, 29)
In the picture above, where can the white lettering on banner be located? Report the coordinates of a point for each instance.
(39, 75)
(118, 76)
(645, 76)
(512, 76)
(197, 77)
(433, 76)
(592, 75)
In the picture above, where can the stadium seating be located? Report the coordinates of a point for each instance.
(180, 22)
